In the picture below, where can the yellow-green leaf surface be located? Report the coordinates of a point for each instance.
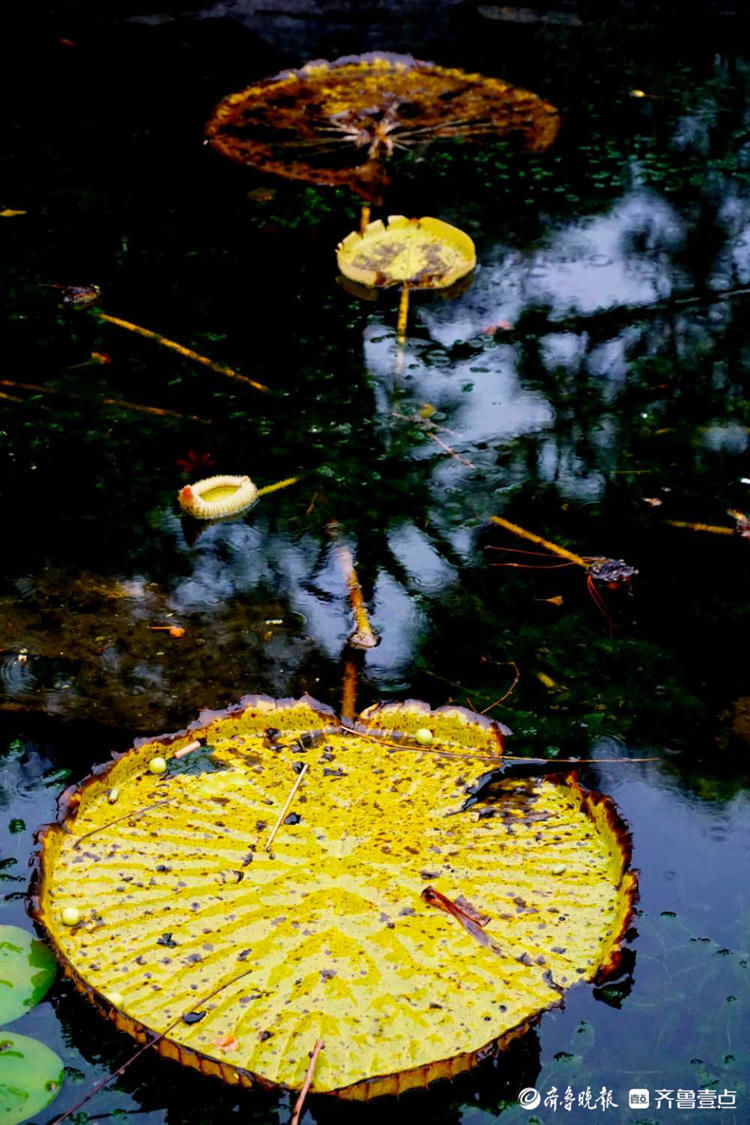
(421, 253)
(184, 910)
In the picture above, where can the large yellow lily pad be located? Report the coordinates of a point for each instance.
(421, 253)
(184, 912)
(335, 122)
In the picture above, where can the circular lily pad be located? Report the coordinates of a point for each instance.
(27, 969)
(410, 929)
(336, 122)
(30, 1077)
(421, 253)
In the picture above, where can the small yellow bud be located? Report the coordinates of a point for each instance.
(157, 765)
(71, 916)
(423, 736)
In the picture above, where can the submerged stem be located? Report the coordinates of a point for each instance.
(532, 538)
(221, 368)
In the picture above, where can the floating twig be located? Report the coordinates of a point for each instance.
(579, 560)
(447, 448)
(157, 411)
(287, 803)
(516, 677)
(300, 1102)
(599, 570)
(147, 1046)
(420, 749)
(572, 762)
(188, 353)
(29, 387)
(710, 527)
(189, 748)
(128, 816)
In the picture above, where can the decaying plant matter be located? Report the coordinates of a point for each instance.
(337, 122)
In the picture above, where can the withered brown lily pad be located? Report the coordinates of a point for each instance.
(335, 122)
(284, 929)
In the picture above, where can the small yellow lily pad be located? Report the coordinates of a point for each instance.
(420, 253)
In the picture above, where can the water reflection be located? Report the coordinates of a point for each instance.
(598, 360)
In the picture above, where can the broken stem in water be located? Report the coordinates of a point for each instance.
(447, 448)
(300, 1102)
(349, 690)
(532, 538)
(713, 528)
(516, 677)
(188, 353)
(363, 636)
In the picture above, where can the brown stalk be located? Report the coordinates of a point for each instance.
(484, 757)
(29, 387)
(419, 749)
(349, 690)
(363, 636)
(158, 411)
(300, 1102)
(516, 678)
(447, 448)
(403, 314)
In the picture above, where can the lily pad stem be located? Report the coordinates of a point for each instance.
(403, 314)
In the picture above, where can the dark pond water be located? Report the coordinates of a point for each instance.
(612, 399)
